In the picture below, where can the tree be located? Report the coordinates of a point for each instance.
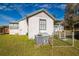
(70, 17)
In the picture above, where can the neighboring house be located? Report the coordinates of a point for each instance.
(19, 27)
(40, 22)
(59, 26)
(4, 29)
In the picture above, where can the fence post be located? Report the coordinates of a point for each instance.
(64, 34)
(73, 35)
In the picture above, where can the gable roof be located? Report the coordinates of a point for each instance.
(34, 13)
(23, 18)
(39, 11)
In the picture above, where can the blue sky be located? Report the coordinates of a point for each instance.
(15, 11)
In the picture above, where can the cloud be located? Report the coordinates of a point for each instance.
(61, 6)
(7, 18)
(61, 18)
(47, 6)
(18, 8)
(44, 5)
(5, 7)
(2, 7)
(10, 7)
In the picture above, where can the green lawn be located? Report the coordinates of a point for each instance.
(21, 46)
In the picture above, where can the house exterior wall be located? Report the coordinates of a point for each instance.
(58, 28)
(33, 25)
(13, 31)
(4, 30)
(1, 30)
(23, 27)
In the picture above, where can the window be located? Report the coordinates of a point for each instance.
(14, 26)
(42, 24)
(77, 11)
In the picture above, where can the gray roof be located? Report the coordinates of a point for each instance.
(13, 22)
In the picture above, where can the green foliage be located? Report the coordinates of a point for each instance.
(70, 17)
(27, 34)
(56, 37)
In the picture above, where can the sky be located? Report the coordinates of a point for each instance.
(16, 11)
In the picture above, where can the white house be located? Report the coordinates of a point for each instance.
(19, 27)
(40, 22)
(37, 22)
(58, 28)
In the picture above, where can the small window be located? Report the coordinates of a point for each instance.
(42, 24)
(77, 11)
(14, 26)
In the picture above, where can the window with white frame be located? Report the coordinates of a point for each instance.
(42, 24)
(14, 26)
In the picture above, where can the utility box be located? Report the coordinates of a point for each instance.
(42, 39)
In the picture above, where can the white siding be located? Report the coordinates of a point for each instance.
(34, 25)
(13, 31)
(22, 30)
(58, 28)
(23, 27)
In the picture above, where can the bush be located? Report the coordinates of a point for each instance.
(56, 37)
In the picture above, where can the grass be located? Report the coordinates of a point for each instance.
(59, 42)
(67, 51)
(21, 46)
